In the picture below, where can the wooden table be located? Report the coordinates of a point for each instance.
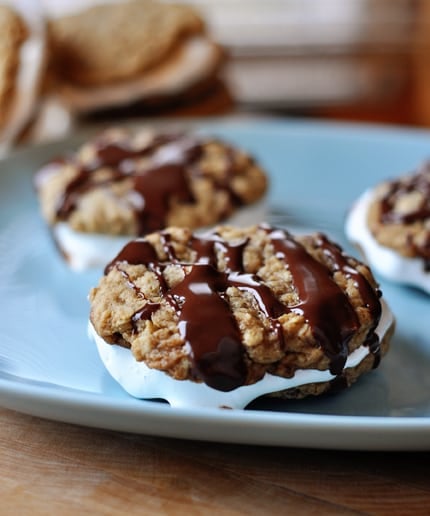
(48, 467)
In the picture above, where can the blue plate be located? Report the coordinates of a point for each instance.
(49, 368)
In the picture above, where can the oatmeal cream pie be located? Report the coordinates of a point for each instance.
(125, 183)
(22, 58)
(221, 318)
(391, 225)
(113, 54)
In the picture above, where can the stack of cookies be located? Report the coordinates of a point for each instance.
(60, 61)
(119, 53)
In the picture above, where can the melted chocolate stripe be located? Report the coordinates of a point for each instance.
(208, 325)
(233, 254)
(158, 186)
(321, 301)
(369, 297)
(171, 154)
(109, 155)
(267, 302)
(419, 182)
(137, 252)
(144, 313)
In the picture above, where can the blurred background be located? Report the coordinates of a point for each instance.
(357, 60)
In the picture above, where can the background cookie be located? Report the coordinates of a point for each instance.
(242, 311)
(159, 51)
(391, 225)
(127, 183)
(112, 42)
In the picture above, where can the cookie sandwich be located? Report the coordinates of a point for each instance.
(115, 54)
(221, 318)
(390, 223)
(123, 184)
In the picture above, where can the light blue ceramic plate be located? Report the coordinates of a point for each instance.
(50, 369)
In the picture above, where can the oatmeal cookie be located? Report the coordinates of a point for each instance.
(391, 225)
(124, 184)
(111, 42)
(236, 313)
(117, 55)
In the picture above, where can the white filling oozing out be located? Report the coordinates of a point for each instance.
(32, 56)
(142, 382)
(87, 250)
(90, 250)
(385, 261)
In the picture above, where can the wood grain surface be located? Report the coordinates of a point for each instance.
(48, 467)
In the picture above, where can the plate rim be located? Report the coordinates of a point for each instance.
(300, 430)
(28, 392)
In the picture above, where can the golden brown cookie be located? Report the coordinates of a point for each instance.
(112, 42)
(128, 183)
(399, 215)
(141, 51)
(249, 311)
(391, 225)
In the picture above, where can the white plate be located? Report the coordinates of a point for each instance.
(49, 368)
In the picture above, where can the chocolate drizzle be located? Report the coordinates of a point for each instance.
(157, 186)
(163, 177)
(322, 302)
(369, 296)
(207, 324)
(419, 183)
(135, 253)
